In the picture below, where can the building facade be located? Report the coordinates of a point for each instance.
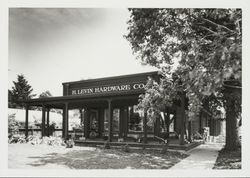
(108, 111)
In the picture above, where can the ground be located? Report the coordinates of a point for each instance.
(228, 160)
(202, 157)
(44, 156)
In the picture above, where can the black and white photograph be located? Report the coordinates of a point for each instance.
(128, 88)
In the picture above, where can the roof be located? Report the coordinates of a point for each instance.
(113, 77)
(59, 101)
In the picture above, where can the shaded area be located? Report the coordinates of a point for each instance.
(228, 159)
(111, 159)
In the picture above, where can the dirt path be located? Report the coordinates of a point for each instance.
(27, 156)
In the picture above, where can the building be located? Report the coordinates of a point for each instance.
(108, 108)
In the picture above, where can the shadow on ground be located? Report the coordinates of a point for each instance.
(110, 159)
(228, 159)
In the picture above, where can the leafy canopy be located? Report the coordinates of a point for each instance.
(196, 50)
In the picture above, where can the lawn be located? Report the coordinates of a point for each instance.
(228, 160)
(44, 156)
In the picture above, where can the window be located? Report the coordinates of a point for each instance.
(116, 120)
(135, 119)
(106, 121)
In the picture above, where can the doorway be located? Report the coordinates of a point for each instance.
(115, 120)
(93, 123)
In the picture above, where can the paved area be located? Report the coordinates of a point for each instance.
(201, 157)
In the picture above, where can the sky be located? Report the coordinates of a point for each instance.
(52, 46)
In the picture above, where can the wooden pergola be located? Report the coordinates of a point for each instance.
(75, 102)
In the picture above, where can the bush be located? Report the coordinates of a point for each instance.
(13, 125)
(126, 148)
(107, 145)
(164, 148)
(69, 143)
(37, 140)
(17, 138)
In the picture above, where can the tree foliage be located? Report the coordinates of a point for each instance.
(21, 90)
(196, 50)
(45, 94)
(206, 44)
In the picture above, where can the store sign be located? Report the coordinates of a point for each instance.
(108, 89)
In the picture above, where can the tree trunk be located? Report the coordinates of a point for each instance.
(189, 131)
(231, 125)
(182, 122)
(167, 122)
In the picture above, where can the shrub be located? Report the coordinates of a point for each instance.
(107, 145)
(37, 140)
(69, 143)
(164, 148)
(126, 148)
(13, 125)
(17, 138)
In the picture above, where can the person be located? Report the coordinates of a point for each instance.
(204, 134)
(69, 143)
(52, 129)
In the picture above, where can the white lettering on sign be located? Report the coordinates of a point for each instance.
(139, 86)
(106, 89)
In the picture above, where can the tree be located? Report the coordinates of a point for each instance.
(45, 94)
(198, 52)
(20, 91)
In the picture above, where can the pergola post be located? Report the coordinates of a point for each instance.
(81, 116)
(48, 130)
(110, 115)
(63, 122)
(125, 122)
(43, 121)
(66, 120)
(86, 122)
(121, 126)
(26, 121)
(100, 121)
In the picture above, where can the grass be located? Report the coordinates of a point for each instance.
(228, 159)
(99, 158)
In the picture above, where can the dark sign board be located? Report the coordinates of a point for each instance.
(107, 89)
(127, 84)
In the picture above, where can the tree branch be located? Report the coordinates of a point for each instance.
(218, 25)
(213, 32)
